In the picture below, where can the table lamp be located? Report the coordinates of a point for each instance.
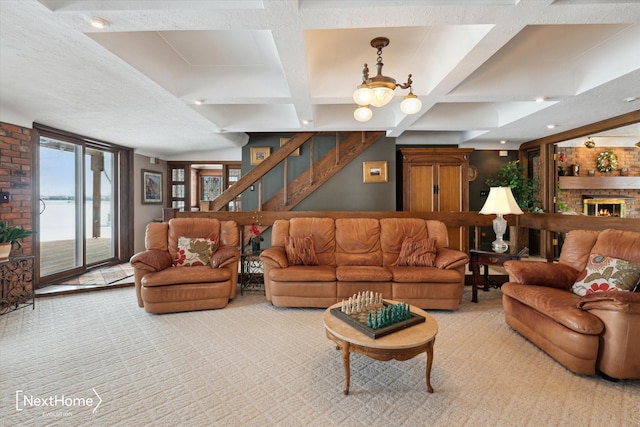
(500, 202)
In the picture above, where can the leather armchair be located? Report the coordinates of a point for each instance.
(162, 287)
(596, 332)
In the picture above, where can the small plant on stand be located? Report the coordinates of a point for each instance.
(10, 236)
(255, 238)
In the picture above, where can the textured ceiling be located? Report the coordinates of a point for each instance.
(286, 66)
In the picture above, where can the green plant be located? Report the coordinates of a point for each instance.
(13, 234)
(511, 174)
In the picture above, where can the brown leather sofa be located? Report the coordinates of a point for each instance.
(599, 331)
(360, 254)
(162, 287)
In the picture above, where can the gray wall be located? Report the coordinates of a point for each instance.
(344, 191)
(143, 213)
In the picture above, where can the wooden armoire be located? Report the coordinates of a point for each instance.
(436, 180)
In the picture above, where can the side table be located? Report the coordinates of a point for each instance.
(251, 278)
(487, 258)
(17, 289)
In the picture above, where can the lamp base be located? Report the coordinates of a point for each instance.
(499, 246)
(499, 227)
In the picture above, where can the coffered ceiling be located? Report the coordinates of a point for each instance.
(292, 65)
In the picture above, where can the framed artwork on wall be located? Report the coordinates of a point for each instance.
(374, 172)
(211, 187)
(284, 141)
(151, 187)
(258, 154)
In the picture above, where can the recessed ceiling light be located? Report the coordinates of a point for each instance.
(631, 99)
(503, 142)
(306, 122)
(551, 126)
(199, 101)
(540, 99)
(98, 23)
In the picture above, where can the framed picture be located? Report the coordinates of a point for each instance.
(284, 141)
(374, 172)
(258, 154)
(151, 187)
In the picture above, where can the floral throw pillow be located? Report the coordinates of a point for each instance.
(605, 273)
(300, 250)
(417, 253)
(193, 252)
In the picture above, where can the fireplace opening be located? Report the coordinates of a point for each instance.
(604, 206)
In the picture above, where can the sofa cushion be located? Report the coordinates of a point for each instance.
(424, 275)
(605, 273)
(358, 241)
(300, 250)
(303, 273)
(354, 273)
(557, 304)
(417, 253)
(177, 276)
(193, 251)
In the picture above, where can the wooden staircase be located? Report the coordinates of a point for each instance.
(348, 146)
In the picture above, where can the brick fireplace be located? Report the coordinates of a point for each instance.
(612, 193)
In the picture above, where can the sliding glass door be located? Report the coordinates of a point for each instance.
(77, 207)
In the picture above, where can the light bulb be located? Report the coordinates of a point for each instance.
(363, 114)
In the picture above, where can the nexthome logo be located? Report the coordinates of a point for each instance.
(56, 405)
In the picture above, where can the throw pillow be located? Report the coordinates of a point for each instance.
(417, 253)
(300, 250)
(193, 252)
(605, 273)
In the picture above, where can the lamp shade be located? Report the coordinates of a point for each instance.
(382, 95)
(363, 95)
(363, 114)
(411, 104)
(501, 201)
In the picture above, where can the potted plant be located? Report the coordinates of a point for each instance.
(10, 236)
(511, 174)
(255, 238)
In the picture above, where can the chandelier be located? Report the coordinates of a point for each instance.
(377, 91)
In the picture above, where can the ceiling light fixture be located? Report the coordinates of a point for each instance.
(540, 99)
(551, 126)
(98, 23)
(589, 143)
(377, 91)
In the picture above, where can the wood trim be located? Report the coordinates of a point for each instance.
(599, 183)
(611, 123)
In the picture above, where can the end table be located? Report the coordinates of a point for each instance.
(251, 278)
(487, 258)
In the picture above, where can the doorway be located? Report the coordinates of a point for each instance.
(78, 216)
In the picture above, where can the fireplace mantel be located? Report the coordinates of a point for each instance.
(599, 182)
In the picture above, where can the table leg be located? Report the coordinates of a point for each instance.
(486, 278)
(347, 368)
(429, 363)
(475, 271)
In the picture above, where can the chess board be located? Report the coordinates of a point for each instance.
(359, 321)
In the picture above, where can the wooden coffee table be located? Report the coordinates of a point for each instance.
(401, 345)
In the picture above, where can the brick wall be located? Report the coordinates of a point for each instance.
(587, 157)
(15, 178)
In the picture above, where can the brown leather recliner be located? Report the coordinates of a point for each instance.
(599, 331)
(162, 287)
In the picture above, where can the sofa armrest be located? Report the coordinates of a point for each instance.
(225, 256)
(450, 258)
(541, 273)
(275, 256)
(151, 260)
(626, 302)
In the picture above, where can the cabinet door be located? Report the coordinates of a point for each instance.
(451, 198)
(421, 183)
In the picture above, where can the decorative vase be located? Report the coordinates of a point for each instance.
(5, 250)
(255, 245)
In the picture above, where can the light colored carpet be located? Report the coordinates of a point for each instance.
(251, 364)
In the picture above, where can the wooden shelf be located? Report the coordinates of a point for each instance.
(599, 182)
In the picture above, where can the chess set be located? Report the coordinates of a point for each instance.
(373, 316)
